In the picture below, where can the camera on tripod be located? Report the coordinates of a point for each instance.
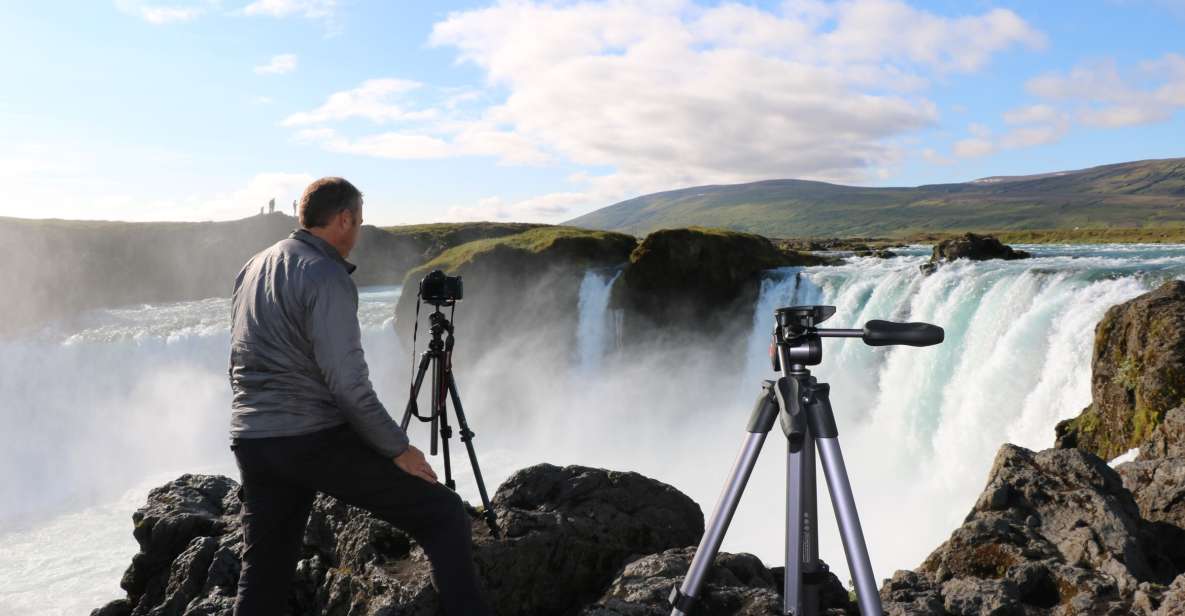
(439, 289)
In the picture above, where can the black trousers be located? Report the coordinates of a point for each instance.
(280, 479)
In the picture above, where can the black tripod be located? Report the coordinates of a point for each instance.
(440, 357)
(803, 407)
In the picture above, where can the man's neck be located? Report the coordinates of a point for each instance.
(329, 237)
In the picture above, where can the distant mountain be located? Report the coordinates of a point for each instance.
(1133, 194)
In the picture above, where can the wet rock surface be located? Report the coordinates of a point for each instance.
(976, 248)
(1138, 373)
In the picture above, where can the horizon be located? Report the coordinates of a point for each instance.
(203, 110)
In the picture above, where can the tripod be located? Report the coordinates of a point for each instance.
(802, 406)
(439, 357)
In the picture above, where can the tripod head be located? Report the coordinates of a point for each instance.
(798, 340)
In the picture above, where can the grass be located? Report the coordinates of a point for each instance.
(1091, 235)
(532, 241)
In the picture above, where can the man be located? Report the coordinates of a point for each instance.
(305, 418)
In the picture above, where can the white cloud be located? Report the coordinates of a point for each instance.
(670, 93)
(974, 147)
(371, 101)
(279, 65)
(160, 14)
(1101, 94)
(312, 9)
(1032, 114)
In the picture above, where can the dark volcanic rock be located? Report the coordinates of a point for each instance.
(1157, 481)
(567, 532)
(976, 248)
(683, 282)
(1054, 532)
(971, 246)
(1138, 373)
(737, 584)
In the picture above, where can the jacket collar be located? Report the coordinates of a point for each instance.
(325, 247)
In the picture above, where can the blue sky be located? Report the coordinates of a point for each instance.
(541, 111)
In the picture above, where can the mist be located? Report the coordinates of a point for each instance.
(104, 406)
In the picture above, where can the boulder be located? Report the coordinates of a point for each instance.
(1156, 478)
(1138, 373)
(976, 248)
(971, 246)
(567, 532)
(1054, 532)
(737, 585)
(693, 282)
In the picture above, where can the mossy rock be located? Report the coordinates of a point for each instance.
(519, 288)
(697, 280)
(1138, 373)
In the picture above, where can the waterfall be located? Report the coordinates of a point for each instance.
(920, 426)
(594, 324)
(100, 409)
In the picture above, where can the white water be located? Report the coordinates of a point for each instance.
(593, 321)
(98, 411)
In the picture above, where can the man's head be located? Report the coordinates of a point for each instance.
(331, 209)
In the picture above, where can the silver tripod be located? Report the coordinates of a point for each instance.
(802, 406)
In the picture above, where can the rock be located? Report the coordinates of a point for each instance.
(976, 248)
(567, 532)
(1157, 481)
(879, 254)
(1173, 599)
(1053, 532)
(1138, 373)
(685, 282)
(737, 584)
(971, 246)
(578, 525)
(506, 281)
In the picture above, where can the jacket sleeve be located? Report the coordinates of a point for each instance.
(332, 325)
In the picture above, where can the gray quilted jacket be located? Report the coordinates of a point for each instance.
(296, 361)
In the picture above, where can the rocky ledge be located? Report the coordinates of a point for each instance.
(1138, 373)
(576, 540)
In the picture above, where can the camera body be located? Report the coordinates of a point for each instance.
(441, 290)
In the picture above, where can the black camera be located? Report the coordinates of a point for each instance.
(438, 289)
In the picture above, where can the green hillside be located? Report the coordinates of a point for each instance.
(1136, 194)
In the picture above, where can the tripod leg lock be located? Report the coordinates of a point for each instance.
(765, 412)
(679, 601)
(816, 400)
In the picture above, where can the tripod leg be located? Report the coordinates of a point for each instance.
(425, 359)
(822, 425)
(766, 411)
(446, 433)
(467, 438)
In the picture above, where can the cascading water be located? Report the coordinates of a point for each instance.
(920, 426)
(594, 323)
(99, 411)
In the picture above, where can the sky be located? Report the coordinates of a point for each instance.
(542, 111)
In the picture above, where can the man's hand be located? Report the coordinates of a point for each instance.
(413, 462)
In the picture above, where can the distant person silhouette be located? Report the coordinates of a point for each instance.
(305, 418)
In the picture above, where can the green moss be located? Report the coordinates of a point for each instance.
(533, 241)
(1128, 374)
(1143, 422)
